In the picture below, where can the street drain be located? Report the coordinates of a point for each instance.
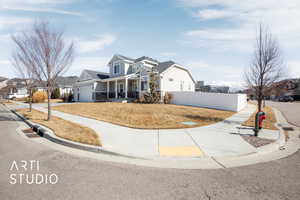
(30, 133)
(288, 128)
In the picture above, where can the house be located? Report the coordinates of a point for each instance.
(16, 88)
(287, 87)
(65, 84)
(129, 78)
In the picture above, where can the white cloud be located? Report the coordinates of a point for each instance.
(92, 63)
(217, 74)
(294, 69)
(213, 14)
(99, 43)
(4, 62)
(37, 6)
(6, 21)
(242, 18)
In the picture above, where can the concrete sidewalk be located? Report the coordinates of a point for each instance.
(220, 139)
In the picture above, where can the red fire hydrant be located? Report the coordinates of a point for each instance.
(261, 118)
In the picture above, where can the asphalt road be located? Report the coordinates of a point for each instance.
(291, 110)
(83, 178)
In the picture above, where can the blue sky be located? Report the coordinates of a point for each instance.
(214, 39)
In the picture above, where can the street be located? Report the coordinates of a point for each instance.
(291, 110)
(83, 178)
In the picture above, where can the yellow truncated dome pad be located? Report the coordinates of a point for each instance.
(180, 151)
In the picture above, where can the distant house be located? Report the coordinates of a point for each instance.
(16, 88)
(129, 78)
(201, 87)
(287, 87)
(65, 84)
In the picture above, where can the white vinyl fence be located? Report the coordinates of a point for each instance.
(231, 102)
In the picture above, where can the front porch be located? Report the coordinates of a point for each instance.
(120, 88)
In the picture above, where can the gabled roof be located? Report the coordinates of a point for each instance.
(164, 66)
(96, 74)
(66, 81)
(146, 58)
(124, 57)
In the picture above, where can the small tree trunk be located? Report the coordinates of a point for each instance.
(30, 104)
(259, 102)
(49, 105)
(30, 100)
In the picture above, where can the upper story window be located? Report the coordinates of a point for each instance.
(117, 68)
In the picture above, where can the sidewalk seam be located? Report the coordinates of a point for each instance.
(186, 132)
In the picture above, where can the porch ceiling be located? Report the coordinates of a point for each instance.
(131, 77)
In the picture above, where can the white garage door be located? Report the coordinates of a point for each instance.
(85, 93)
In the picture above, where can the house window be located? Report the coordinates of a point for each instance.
(144, 85)
(131, 68)
(171, 79)
(117, 68)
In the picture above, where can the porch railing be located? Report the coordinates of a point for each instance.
(101, 96)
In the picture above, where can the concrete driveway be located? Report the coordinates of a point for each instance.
(291, 111)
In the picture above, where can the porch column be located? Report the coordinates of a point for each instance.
(140, 86)
(126, 86)
(116, 89)
(148, 83)
(107, 90)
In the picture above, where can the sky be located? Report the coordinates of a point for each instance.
(213, 39)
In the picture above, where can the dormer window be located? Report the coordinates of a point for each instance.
(117, 68)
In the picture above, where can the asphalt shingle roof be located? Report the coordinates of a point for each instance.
(96, 75)
(145, 58)
(164, 66)
(125, 57)
(66, 81)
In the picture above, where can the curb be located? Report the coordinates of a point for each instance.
(48, 134)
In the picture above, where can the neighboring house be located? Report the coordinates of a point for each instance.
(129, 78)
(16, 88)
(3, 89)
(65, 84)
(287, 87)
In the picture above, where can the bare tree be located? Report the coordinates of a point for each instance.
(267, 65)
(47, 53)
(23, 66)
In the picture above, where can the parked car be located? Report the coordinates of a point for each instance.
(286, 99)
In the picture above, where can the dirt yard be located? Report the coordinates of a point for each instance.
(63, 128)
(148, 116)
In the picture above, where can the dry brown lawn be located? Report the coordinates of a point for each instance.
(54, 100)
(268, 123)
(63, 128)
(147, 116)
